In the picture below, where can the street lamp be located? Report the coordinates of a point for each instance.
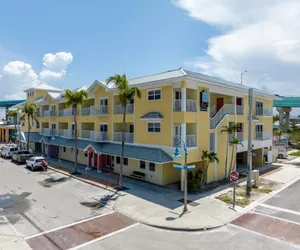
(177, 154)
(245, 71)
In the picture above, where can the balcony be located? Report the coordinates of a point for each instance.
(128, 137)
(118, 109)
(263, 111)
(37, 114)
(190, 140)
(95, 110)
(67, 133)
(66, 112)
(94, 135)
(48, 131)
(239, 109)
(261, 135)
(49, 113)
(191, 106)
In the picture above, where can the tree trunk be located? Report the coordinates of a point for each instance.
(28, 136)
(204, 176)
(122, 148)
(75, 137)
(226, 161)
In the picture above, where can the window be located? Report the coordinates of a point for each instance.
(23, 124)
(152, 166)
(125, 161)
(118, 160)
(154, 94)
(37, 124)
(78, 152)
(154, 127)
(142, 165)
(103, 127)
(64, 149)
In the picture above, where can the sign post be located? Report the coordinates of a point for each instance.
(234, 177)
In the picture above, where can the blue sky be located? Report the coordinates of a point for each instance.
(137, 37)
(72, 43)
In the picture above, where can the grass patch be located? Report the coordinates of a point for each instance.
(262, 190)
(295, 153)
(240, 200)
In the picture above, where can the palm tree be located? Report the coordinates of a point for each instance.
(13, 113)
(234, 142)
(126, 95)
(230, 130)
(29, 111)
(73, 100)
(209, 158)
(277, 132)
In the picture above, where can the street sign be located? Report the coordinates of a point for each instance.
(179, 167)
(234, 176)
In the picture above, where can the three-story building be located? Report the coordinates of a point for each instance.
(175, 105)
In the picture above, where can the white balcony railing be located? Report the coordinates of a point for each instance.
(191, 105)
(177, 105)
(261, 135)
(128, 137)
(263, 111)
(191, 141)
(67, 133)
(212, 146)
(48, 131)
(66, 112)
(240, 135)
(212, 110)
(239, 109)
(95, 110)
(46, 113)
(176, 139)
(94, 135)
(118, 109)
(226, 109)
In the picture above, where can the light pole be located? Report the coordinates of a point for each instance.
(249, 160)
(245, 71)
(177, 154)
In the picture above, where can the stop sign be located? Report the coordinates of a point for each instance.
(234, 176)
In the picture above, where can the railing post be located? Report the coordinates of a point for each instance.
(183, 99)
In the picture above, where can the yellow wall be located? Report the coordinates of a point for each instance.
(170, 174)
(69, 156)
(258, 160)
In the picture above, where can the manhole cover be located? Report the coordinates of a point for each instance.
(191, 203)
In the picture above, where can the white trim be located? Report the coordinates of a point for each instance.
(154, 89)
(151, 119)
(147, 130)
(280, 209)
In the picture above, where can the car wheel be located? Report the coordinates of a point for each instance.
(280, 156)
(32, 168)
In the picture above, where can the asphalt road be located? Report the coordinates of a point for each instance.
(47, 209)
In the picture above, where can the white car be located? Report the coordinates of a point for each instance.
(35, 162)
(8, 150)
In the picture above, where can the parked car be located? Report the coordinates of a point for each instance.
(8, 150)
(35, 162)
(21, 156)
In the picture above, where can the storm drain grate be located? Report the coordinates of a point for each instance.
(191, 203)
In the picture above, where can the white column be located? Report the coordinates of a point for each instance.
(234, 103)
(183, 132)
(183, 99)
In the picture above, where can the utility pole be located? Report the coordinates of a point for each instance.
(249, 160)
(245, 71)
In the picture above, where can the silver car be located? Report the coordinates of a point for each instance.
(35, 162)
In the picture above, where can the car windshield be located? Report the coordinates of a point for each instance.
(39, 160)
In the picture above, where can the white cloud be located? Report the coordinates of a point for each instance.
(259, 36)
(17, 75)
(58, 61)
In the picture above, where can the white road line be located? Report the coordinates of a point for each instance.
(104, 237)
(277, 218)
(68, 225)
(266, 236)
(280, 209)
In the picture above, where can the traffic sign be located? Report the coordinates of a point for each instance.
(234, 176)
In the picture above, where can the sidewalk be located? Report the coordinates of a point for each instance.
(161, 206)
(9, 239)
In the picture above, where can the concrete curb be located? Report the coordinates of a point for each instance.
(82, 179)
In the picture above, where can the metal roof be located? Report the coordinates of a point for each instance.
(287, 101)
(143, 153)
(44, 86)
(152, 115)
(10, 103)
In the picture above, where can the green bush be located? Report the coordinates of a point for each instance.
(192, 185)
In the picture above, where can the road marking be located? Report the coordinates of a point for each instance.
(266, 236)
(277, 218)
(280, 209)
(68, 225)
(104, 237)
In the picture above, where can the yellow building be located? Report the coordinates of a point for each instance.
(175, 105)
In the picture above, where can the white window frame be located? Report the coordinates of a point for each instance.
(147, 128)
(103, 123)
(154, 166)
(103, 98)
(145, 165)
(149, 90)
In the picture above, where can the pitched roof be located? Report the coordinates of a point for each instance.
(152, 115)
(54, 94)
(44, 86)
(143, 153)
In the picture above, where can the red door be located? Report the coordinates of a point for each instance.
(220, 103)
(239, 101)
(95, 160)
